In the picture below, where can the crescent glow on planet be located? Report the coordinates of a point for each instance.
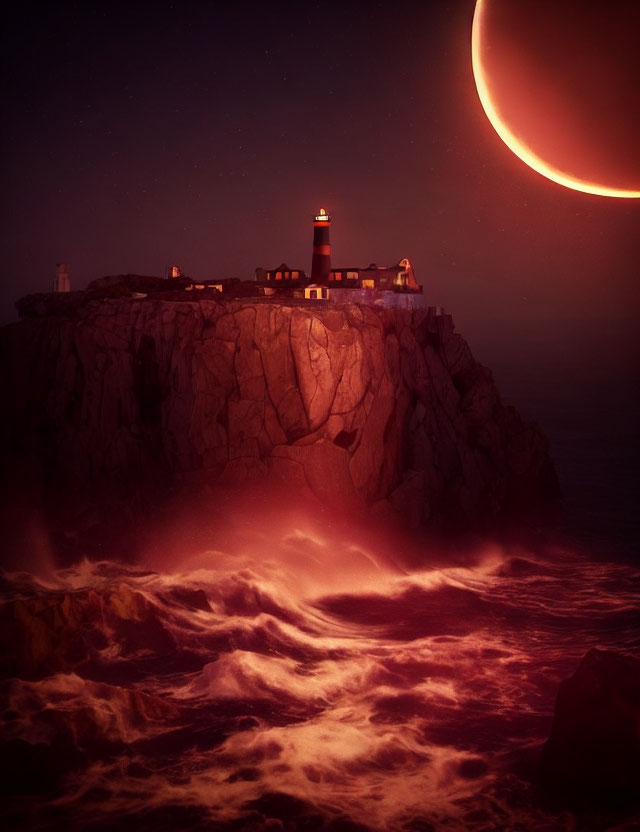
(517, 143)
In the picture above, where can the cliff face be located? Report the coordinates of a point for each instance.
(121, 399)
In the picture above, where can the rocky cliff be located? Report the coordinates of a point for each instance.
(120, 401)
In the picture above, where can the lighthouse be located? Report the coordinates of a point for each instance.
(321, 262)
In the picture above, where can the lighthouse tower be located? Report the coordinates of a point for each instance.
(321, 262)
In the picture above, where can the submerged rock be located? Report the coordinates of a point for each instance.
(593, 753)
(53, 726)
(57, 632)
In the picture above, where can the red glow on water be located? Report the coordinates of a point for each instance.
(299, 666)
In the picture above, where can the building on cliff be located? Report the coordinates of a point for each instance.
(61, 282)
(314, 291)
(393, 286)
(281, 273)
(371, 284)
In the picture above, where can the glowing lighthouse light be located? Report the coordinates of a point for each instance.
(322, 216)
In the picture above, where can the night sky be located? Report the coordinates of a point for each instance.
(206, 134)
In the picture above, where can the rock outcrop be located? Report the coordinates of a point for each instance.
(41, 636)
(53, 726)
(121, 400)
(593, 753)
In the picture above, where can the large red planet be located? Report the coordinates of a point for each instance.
(560, 83)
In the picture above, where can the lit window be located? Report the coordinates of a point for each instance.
(278, 275)
(367, 284)
(337, 275)
(295, 275)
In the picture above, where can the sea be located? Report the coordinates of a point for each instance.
(297, 673)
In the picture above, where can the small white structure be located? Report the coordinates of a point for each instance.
(175, 271)
(202, 286)
(61, 281)
(315, 292)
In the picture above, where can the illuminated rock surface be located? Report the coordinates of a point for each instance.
(117, 402)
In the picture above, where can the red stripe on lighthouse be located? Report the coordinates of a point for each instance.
(322, 249)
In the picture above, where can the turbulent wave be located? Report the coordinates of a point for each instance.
(313, 686)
